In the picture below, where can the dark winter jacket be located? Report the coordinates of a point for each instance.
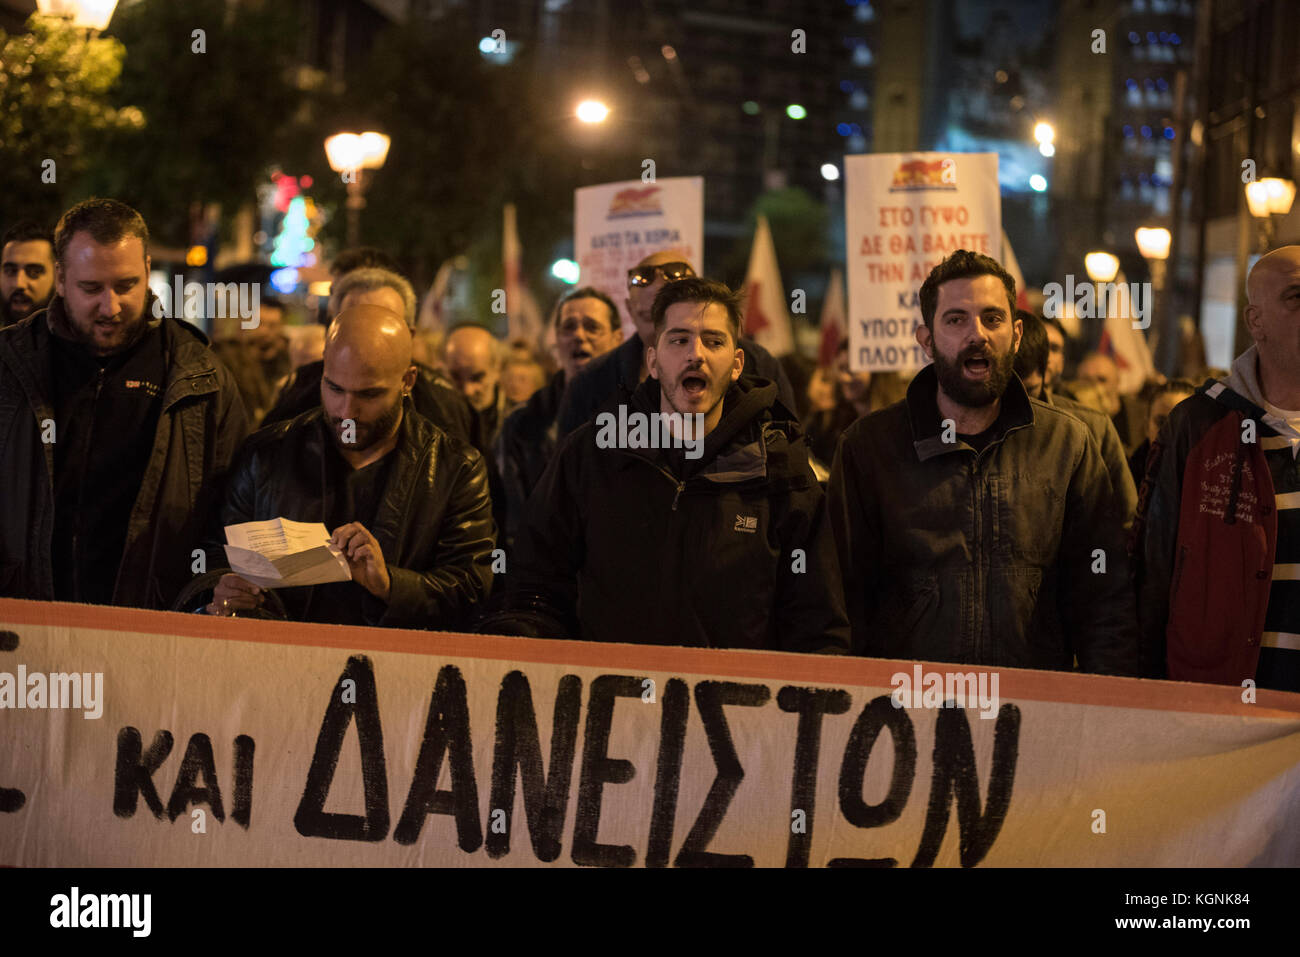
(200, 425)
(728, 550)
(1009, 557)
(611, 379)
(523, 450)
(433, 524)
(1218, 541)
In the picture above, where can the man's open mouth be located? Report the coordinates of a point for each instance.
(977, 366)
(694, 384)
(581, 354)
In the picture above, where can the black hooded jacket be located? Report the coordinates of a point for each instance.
(727, 550)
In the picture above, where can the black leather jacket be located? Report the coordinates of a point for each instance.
(434, 523)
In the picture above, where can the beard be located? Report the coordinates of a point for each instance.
(18, 306)
(368, 434)
(963, 391)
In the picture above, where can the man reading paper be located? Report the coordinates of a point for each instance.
(406, 504)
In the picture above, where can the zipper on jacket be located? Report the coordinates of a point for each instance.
(666, 474)
(680, 485)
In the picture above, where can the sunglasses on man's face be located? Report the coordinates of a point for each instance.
(645, 275)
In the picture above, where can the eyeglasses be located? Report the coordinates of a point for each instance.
(645, 275)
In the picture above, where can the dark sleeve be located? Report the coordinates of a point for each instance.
(809, 604)
(541, 598)
(1096, 603)
(445, 594)
(858, 542)
(1112, 453)
(1156, 541)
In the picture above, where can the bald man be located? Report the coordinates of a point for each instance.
(611, 379)
(433, 395)
(472, 357)
(1219, 513)
(406, 503)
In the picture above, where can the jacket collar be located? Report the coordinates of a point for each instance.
(737, 450)
(191, 367)
(1242, 391)
(927, 429)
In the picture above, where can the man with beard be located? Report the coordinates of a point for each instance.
(721, 543)
(116, 428)
(26, 272)
(611, 380)
(586, 326)
(405, 503)
(973, 525)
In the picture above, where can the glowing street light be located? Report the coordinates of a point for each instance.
(795, 111)
(349, 154)
(1101, 266)
(592, 111)
(1153, 242)
(1044, 132)
(1270, 196)
(1038, 183)
(830, 172)
(84, 14)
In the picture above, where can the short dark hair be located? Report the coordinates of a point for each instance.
(107, 221)
(362, 257)
(699, 290)
(1056, 324)
(963, 264)
(589, 292)
(1031, 357)
(26, 231)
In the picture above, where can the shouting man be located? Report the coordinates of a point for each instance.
(975, 526)
(713, 534)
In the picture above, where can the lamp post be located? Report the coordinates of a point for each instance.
(1266, 198)
(1153, 244)
(350, 155)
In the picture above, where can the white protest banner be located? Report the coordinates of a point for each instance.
(236, 742)
(616, 225)
(904, 213)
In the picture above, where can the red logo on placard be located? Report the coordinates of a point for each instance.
(925, 174)
(635, 202)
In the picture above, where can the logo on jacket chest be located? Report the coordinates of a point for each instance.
(151, 389)
(746, 523)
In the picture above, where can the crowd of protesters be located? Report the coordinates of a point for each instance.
(986, 510)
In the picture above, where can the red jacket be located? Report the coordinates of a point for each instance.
(1205, 539)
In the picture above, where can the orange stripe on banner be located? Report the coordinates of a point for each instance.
(773, 666)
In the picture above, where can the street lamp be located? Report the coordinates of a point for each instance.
(1101, 266)
(1266, 198)
(592, 111)
(349, 154)
(1045, 134)
(1153, 244)
(85, 14)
